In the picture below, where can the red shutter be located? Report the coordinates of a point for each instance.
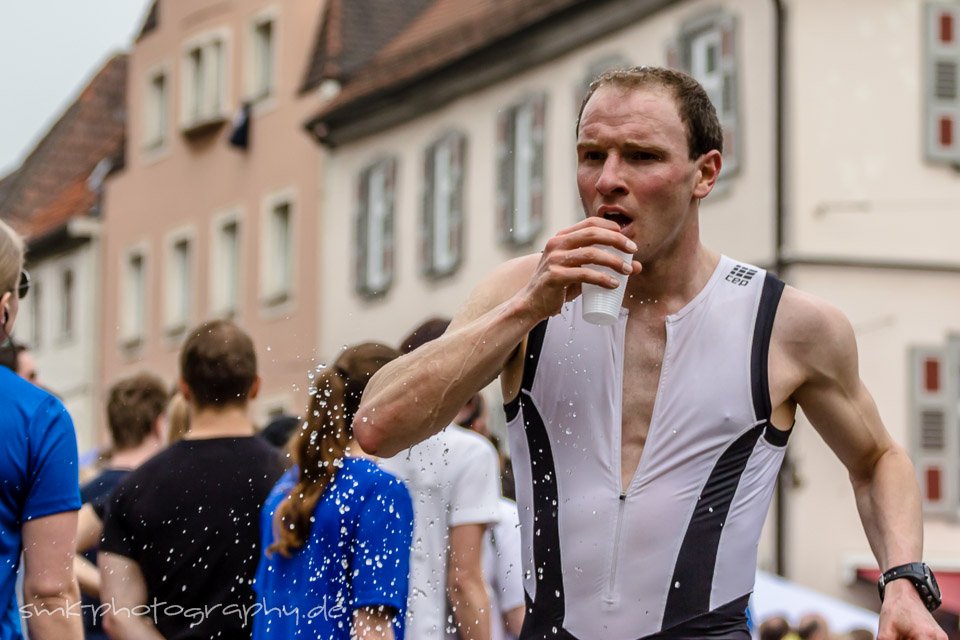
(931, 375)
(934, 486)
(942, 82)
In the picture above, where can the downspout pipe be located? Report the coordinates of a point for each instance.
(780, 263)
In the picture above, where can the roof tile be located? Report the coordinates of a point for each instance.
(46, 189)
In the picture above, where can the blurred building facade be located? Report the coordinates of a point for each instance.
(455, 152)
(54, 199)
(215, 212)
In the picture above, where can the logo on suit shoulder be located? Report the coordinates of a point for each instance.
(741, 275)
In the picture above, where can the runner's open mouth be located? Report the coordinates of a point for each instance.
(619, 218)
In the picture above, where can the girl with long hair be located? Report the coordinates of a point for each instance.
(336, 529)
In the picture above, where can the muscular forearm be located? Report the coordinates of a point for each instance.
(471, 607)
(889, 503)
(415, 396)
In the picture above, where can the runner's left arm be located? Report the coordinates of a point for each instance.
(822, 345)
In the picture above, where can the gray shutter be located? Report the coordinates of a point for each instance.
(942, 39)
(674, 60)
(506, 154)
(390, 188)
(538, 179)
(458, 157)
(931, 415)
(362, 230)
(427, 262)
(729, 110)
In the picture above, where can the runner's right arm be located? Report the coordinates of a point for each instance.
(416, 395)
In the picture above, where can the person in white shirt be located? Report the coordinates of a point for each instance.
(453, 478)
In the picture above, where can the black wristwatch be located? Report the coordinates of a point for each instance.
(919, 574)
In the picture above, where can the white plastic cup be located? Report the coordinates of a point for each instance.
(601, 305)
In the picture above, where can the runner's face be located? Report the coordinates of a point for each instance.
(634, 166)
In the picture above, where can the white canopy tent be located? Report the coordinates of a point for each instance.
(772, 596)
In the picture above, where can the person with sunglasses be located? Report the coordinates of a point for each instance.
(39, 487)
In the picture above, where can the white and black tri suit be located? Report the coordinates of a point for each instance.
(674, 555)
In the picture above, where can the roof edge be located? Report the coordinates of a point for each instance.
(495, 61)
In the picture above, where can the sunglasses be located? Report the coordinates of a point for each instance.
(24, 287)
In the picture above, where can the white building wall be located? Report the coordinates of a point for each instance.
(68, 365)
(737, 219)
(860, 189)
(860, 186)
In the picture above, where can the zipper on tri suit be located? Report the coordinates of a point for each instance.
(612, 597)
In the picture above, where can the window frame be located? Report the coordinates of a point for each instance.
(134, 304)
(274, 292)
(255, 92)
(364, 286)
(725, 25)
(66, 327)
(205, 115)
(936, 456)
(220, 280)
(508, 170)
(156, 113)
(454, 144)
(941, 110)
(179, 288)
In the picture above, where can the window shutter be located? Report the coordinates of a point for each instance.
(458, 156)
(943, 82)
(362, 239)
(539, 105)
(674, 60)
(932, 419)
(427, 262)
(506, 154)
(728, 109)
(390, 188)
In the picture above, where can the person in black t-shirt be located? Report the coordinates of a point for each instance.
(181, 539)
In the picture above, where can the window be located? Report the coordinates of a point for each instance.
(179, 284)
(377, 185)
(134, 299)
(204, 88)
(277, 283)
(520, 156)
(225, 267)
(442, 219)
(935, 437)
(66, 304)
(706, 49)
(155, 115)
(262, 72)
(943, 82)
(36, 311)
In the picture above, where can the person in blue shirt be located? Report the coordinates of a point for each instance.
(39, 487)
(336, 529)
